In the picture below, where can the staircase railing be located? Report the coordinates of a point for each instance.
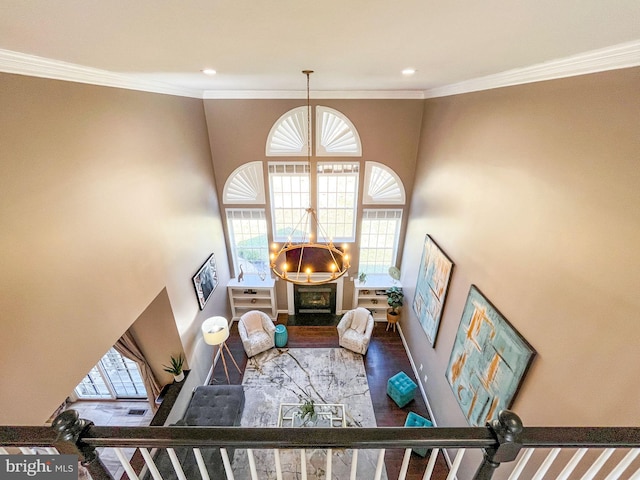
(502, 441)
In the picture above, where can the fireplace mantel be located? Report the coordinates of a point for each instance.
(291, 309)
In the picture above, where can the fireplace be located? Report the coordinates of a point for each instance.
(315, 298)
(336, 285)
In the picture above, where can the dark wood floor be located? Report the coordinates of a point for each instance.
(386, 357)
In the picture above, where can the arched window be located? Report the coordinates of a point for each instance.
(245, 185)
(288, 136)
(336, 136)
(285, 188)
(380, 227)
(382, 185)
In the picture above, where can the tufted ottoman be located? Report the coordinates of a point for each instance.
(401, 389)
(415, 420)
(210, 406)
(215, 406)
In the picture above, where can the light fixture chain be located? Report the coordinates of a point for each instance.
(308, 74)
(338, 269)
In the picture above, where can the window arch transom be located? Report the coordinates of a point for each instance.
(288, 135)
(382, 185)
(335, 134)
(245, 185)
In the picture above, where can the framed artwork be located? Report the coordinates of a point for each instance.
(206, 280)
(431, 288)
(488, 361)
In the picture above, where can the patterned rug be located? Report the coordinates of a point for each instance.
(327, 375)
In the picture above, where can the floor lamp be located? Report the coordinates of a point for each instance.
(215, 331)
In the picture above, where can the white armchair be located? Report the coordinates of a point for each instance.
(256, 332)
(354, 330)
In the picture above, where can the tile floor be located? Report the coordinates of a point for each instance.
(113, 414)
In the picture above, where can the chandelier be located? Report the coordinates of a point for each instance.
(307, 262)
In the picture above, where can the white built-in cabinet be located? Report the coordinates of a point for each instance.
(371, 295)
(252, 294)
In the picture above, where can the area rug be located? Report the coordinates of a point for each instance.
(327, 375)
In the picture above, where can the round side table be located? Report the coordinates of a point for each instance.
(281, 336)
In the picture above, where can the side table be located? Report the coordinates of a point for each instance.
(281, 336)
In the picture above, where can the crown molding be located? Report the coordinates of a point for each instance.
(31, 65)
(624, 55)
(318, 94)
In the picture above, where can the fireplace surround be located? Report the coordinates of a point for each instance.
(316, 300)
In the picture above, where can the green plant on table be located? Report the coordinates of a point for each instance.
(307, 409)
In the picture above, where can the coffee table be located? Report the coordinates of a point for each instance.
(327, 415)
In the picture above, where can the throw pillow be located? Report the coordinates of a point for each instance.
(252, 322)
(360, 319)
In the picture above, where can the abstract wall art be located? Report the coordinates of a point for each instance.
(488, 361)
(431, 288)
(206, 280)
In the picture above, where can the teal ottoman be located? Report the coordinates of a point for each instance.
(401, 389)
(281, 336)
(415, 420)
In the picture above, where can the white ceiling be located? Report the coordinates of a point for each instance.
(353, 45)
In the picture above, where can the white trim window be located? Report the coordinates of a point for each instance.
(248, 239)
(289, 186)
(379, 239)
(337, 198)
(113, 377)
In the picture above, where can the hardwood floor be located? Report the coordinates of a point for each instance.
(114, 413)
(386, 357)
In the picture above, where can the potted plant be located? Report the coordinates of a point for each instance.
(394, 299)
(175, 368)
(307, 410)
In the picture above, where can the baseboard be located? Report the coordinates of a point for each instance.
(423, 391)
(417, 374)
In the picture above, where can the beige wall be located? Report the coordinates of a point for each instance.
(389, 131)
(534, 193)
(156, 334)
(107, 199)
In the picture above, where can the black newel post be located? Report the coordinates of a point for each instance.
(70, 428)
(506, 429)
